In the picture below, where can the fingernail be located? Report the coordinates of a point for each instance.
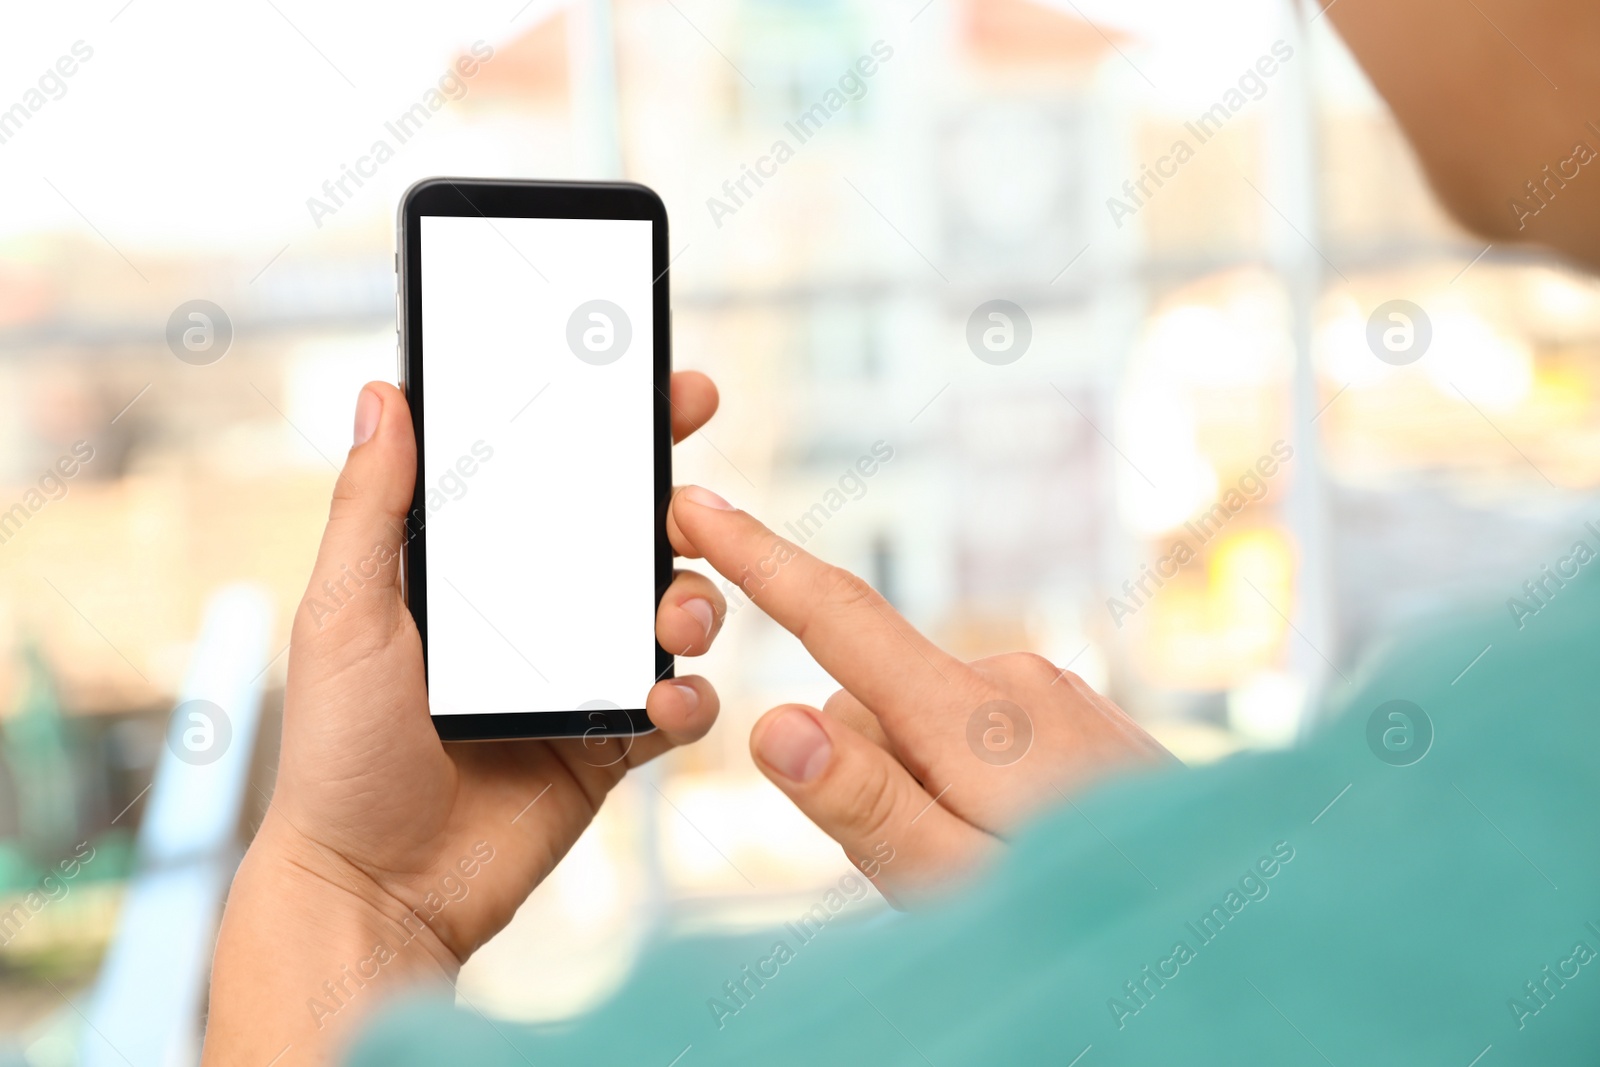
(795, 746)
(369, 409)
(701, 610)
(691, 697)
(706, 498)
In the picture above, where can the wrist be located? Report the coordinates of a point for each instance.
(310, 945)
(304, 874)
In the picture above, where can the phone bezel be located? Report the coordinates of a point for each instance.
(530, 199)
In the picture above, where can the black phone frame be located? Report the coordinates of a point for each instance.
(506, 198)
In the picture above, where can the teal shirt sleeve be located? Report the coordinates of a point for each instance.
(1344, 903)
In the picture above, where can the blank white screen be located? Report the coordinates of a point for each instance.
(540, 557)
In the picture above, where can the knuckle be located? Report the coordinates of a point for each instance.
(346, 493)
(834, 592)
(330, 640)
(1026, 666)
(1037, 666)
(840, 591)
(868, 802)
(839, 704)
(362, 619)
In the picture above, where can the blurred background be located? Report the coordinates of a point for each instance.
(1196, 372)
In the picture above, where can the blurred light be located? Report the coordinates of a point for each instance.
(1190, 52)
(1562, 302)
(1194, 741)
(1172, 20)
(587, 883)
(723, 832)
(1191, 351)
(1251, 581)
(1166, 479)
(1561, 396)
(1341, 347)
(1210, 631)
(1470, 357)
(1239, 343)
(1266, 709)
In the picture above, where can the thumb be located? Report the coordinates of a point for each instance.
(890, 827)
(358, 563)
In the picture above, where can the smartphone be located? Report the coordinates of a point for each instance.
(534, 326)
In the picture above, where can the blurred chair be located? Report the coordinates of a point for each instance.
(146, 1004)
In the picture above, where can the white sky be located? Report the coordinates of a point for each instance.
(201, 124)
(196, 121)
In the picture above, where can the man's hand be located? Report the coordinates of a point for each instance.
(386, 856)
(920, 753)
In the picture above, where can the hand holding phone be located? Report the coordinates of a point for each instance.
(385, 853)
(377, 832)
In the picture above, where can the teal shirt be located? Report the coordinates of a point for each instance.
(1316, 906)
